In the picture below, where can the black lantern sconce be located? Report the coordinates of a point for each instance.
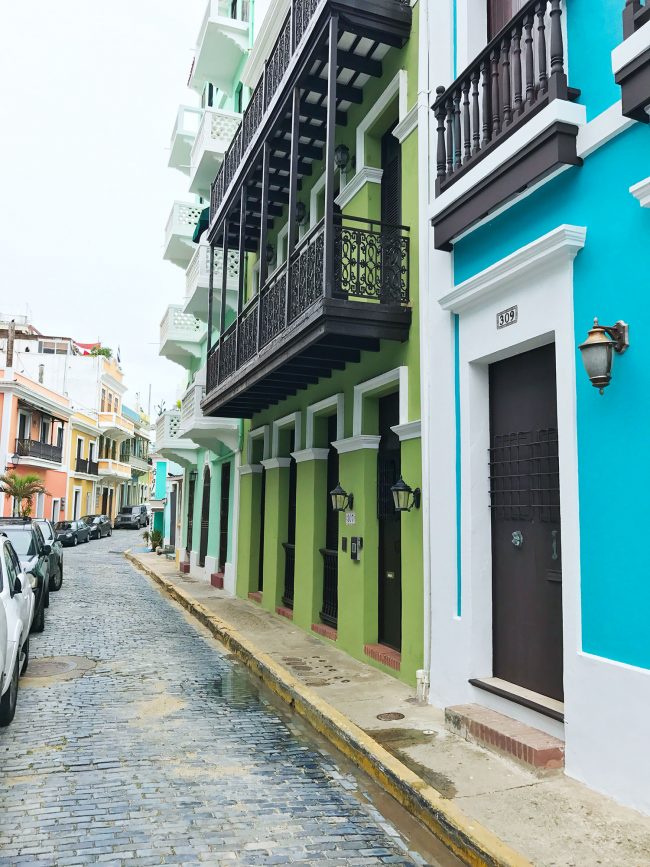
(599, 348)
(270, 253)
(301, 213)
(15, 460)
(341, 500)
(341, 157)
(404, 497)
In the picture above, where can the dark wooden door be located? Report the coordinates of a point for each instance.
(172, 517)
(105, 502)
(110, 503)
(390, 528)
(499, 13)
(190, 512)
(330, 555)
(260, 573)
(290, 544)
(205, 517)
(526, 543)
(224, 516)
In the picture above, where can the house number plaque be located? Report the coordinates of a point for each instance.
(507, 317)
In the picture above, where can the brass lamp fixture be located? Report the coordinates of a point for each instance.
(599, 348)
(341, 500)
(404, 497)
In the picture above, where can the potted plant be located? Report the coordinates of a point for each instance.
(146, 535)
(156, 538)
(22, 489)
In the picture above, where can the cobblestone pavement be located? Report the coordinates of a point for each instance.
(164, 751)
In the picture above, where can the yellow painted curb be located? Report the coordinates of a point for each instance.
(467, 839)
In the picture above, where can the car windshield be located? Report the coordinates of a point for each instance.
(22, 540)
(90, 519)
(63, 525)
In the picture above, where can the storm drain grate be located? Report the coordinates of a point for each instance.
(392, 715)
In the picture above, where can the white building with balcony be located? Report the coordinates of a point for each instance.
(215, 133)
(223, 42)
(197, 282)
(181, 336)
(179, 230)
(186, 126)
(220, 435)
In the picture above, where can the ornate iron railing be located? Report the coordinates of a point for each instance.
(371, 264)
(303, 11)
(330, 610)
(278, 62)
(289, 573)
(253, 115)
(26, 448)
(500, 89)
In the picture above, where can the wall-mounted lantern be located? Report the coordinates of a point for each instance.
(15, 460)
(341, 157)
(301, 213)
(598, 351)
(404, 497)
(270, 253)
(341, 500)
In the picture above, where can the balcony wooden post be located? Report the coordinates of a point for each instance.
(330, 143)
(224, 282)
(210, 296)
(264, 216)
(293, 196)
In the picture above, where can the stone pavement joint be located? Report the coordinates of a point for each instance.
(487, 808)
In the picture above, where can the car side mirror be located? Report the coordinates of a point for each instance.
(18, 587)
(47, 550)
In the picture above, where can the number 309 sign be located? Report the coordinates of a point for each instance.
(507, 317)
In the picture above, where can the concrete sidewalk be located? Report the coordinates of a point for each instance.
(488, 808)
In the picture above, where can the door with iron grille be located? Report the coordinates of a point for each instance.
(260, 568)
(190, 513)
(525, 506)
(205, 517)
(390, 528)
(330, 555)
(224, 516)
(290, 545)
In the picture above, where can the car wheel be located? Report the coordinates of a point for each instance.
(75, 541)
(9, 699)
(38, 624)
(23, 668)
(57, 581)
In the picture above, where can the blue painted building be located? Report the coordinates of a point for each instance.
(539, 221)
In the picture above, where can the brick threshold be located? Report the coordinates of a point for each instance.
(507, 736)
(384, 654)
(255, 596)
(325, 631)
(216, 579)
(284, 612)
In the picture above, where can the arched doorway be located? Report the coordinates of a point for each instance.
(205, 517)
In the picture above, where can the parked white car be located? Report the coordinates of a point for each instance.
(16, 613)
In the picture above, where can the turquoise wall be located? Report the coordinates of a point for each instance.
(161, 480)
(611, 282)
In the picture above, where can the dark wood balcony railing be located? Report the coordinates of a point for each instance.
(35, 449)
(288, 42)
(330, 610)
(519, 72)
(371, 265)
(83, 465)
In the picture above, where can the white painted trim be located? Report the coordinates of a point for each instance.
(365, 175)
(318, 187)
(603, 128)
(314, 409)
(557, 110)
(378, 384)
(310, 455)
(406, 126)
(276, 463)
(355, 444)
(250, 469)
(294, 419)
(561, 244)
(396, 88)
(412, 430)
(262, 431)
(631, 48)
(641, 192)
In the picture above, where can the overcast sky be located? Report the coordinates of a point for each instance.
(88, 97)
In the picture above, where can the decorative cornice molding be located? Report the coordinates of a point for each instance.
(250, 469)
(276, 463)
(641, 192)
(560, 245)
(405, 127)
(355, 444)
(310, 455)
(365, 175)
(412, 430)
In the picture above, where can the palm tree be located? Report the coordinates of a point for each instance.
(21, 488)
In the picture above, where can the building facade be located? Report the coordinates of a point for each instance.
(538, 223)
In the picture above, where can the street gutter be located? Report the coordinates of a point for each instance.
(470, 841)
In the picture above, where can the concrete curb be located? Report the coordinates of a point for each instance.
(467, 839)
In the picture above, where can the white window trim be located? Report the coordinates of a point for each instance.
(376, 386)
(315, 409)
(294, 420)
(262, 431)
(641, 192)
(318, 187)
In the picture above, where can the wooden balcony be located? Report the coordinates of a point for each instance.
(631, 61)
(299, 328)
(517, 75)
(26, 448)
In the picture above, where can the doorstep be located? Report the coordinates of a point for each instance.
(324, 630)
(283, 611)
(255, 596)
(216, 579)
(384, 654)
(471, 787)
(508, 736)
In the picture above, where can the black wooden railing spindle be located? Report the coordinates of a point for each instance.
(441, 157)
(467, 127)
(487, 128)
(476, 118)
(557, 47)
(516, 70)
(450, 136)
(542, 75)
(496, 107)
(457, 139)
(505, 78)
(529, 60)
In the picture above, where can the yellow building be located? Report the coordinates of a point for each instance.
(83, 466)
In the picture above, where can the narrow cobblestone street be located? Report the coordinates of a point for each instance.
(144, 743)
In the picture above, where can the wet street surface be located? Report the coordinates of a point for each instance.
(138, 740)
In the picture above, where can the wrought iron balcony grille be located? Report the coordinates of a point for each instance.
(26, 448)
(371, 266)
(518, 73)
(525, 476)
